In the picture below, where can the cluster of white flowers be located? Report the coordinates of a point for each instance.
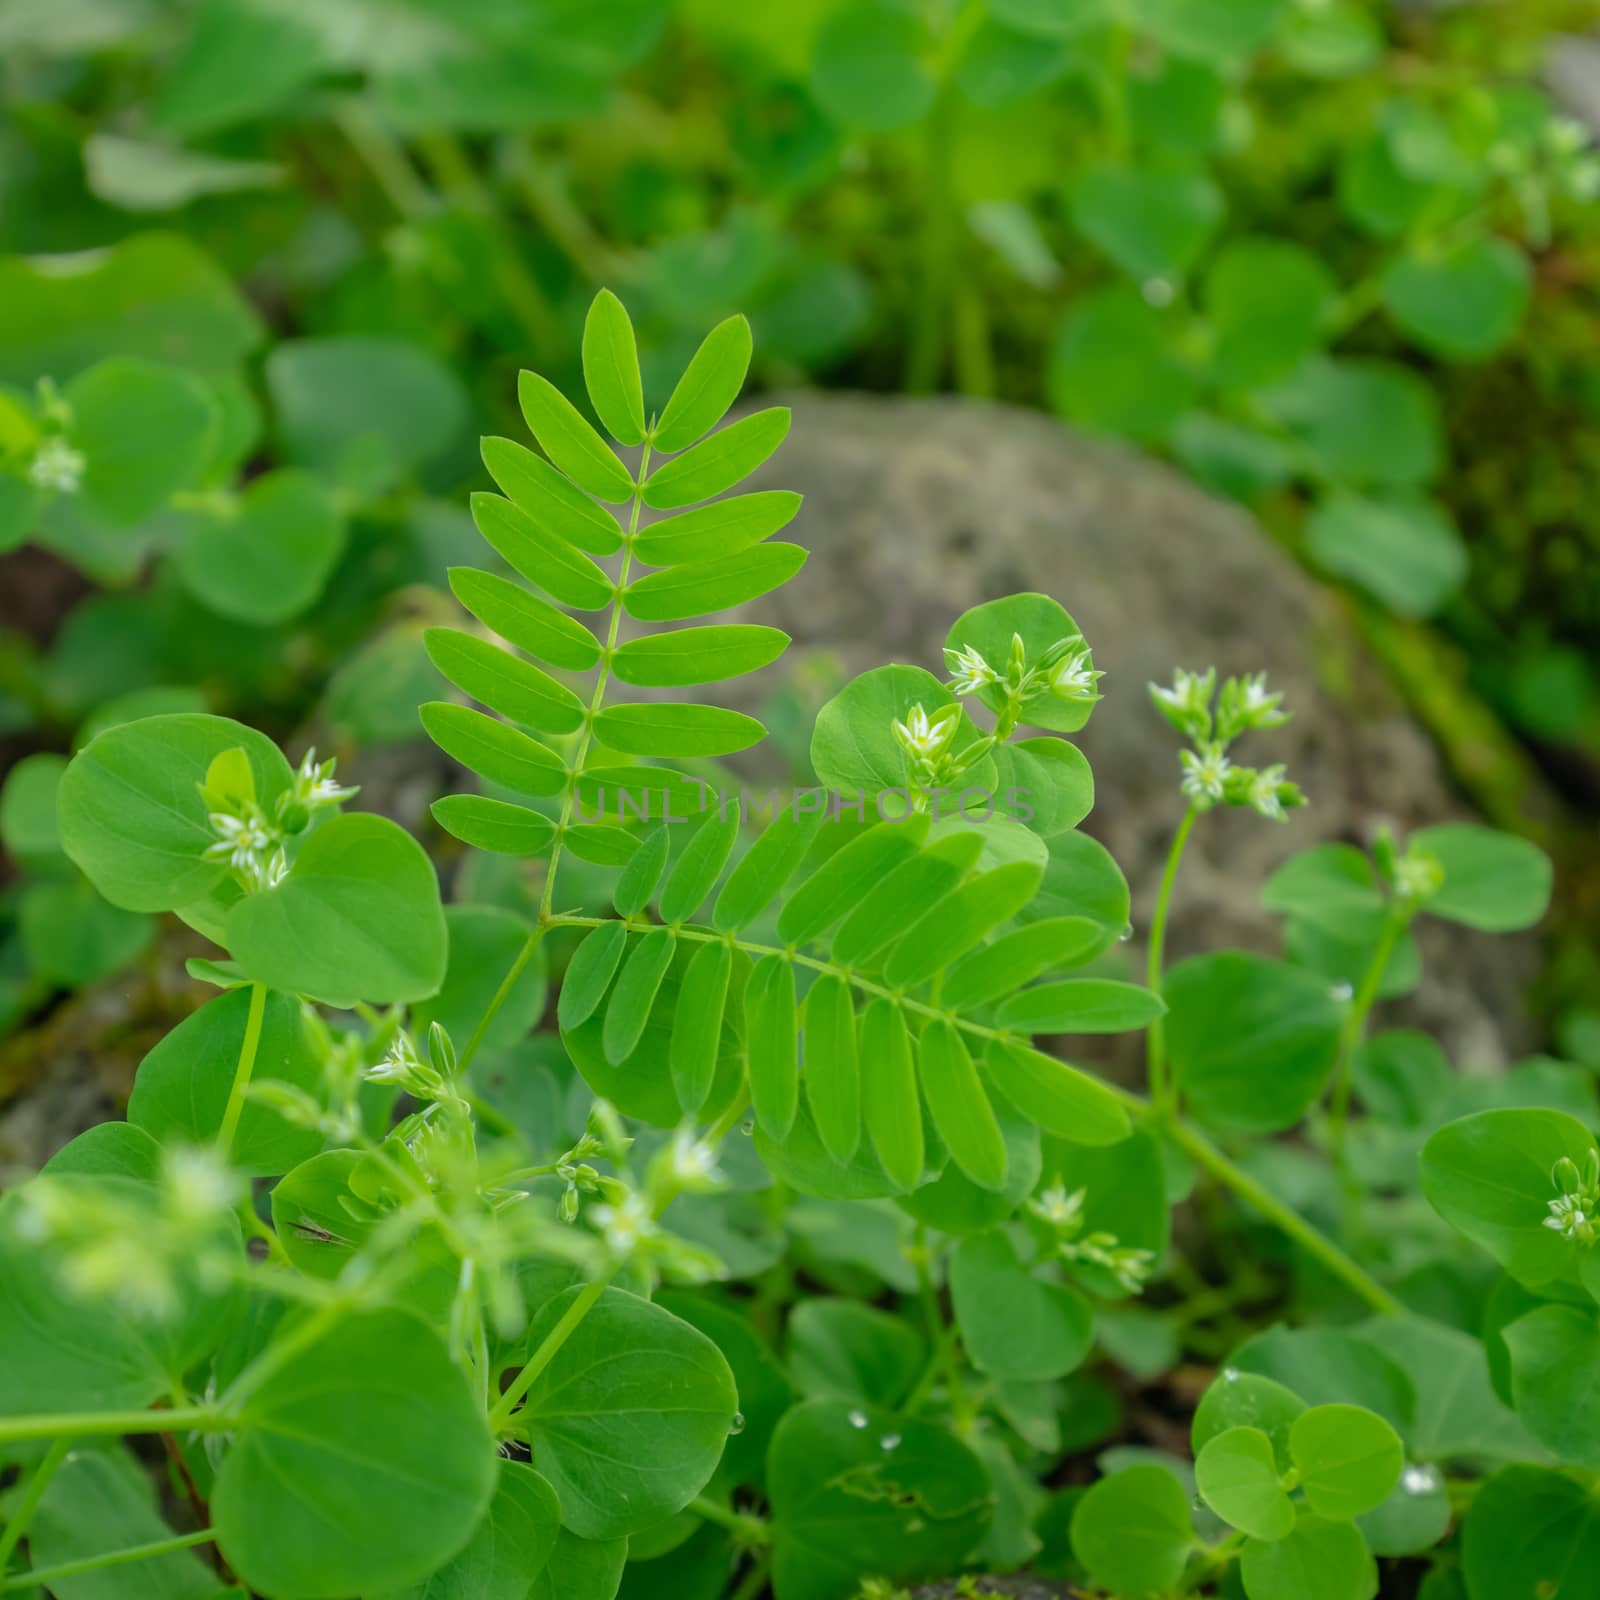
(1205, 772)
(57, 466)
(1575, 1212)
(1065, 670)
(253, 846)
(1211, 722)
(1063, 1213)
(927, 740)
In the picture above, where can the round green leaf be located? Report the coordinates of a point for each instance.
(1349, 1459)
(1532, 1533)
(629, 1419)
(1464, 305)
(1013, 1325)
(1555, 1354)
(1132, 1531)
(1494, 882)
(1114, 368)
(1407, 551)
(130, 811)
(1269, 302)
(1319, 1560)
(1041, 623)
(1237, 1474)
(841, 1350)
(363, 1465)
(869, 71)
(358, 918)
(1246, 1401)
(1365, 423)
(1154, 224)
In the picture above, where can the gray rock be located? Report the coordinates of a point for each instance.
(918, 509)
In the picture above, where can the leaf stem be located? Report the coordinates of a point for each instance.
(246, 1065)
(745, 1528)
(1162, 1095)
(1355, 1026)
(103, 1424)
(22, 1512)
(549, 1346)
(112, 1558)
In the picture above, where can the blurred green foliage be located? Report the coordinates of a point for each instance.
(267, 266)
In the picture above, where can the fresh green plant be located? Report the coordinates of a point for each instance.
(493, 1348)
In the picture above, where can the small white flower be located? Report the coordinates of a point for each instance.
(314, 783)
(1205, 772)
(56, 465)
(969, 671)
(1568, 1218)
(198, 1184)
(1417, 877)
(1263, 793)
(626, 1224)
(1074, 677)
(925, 738)
(241, 841)
(1058, 1208)
(694, 1162)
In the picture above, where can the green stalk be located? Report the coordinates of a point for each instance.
(28, 1503)
(925, 363)
(547, 1351)
(241, 1073)
(746, 1529)
(104, 1424)
(1161, 1094)
(113, 1558)
(1355, 1027)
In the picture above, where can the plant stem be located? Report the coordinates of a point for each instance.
(548, 1348)
(241, 1073)
(28, 1503)
(113, 1558)
(386, 160)
(925, 363)
(744, 1527)
(1161, 1095)
(102, 1424)
(1355, 1027)
(1310, 1238)
(574, 772)
(755, 1580)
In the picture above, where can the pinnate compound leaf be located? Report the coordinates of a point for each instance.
(890, 1105)
(629, 1419)
(358, 918)
(570, 442)
(773, 1057)
(363, 1465)
(913, 888)
(594, 963)
(542, 557)
(1349, 1459)
(611, 369)
(1017, 958)
(847, 877)
(551, 498)
(729, 456)
(700, 863)
(494, 825)
(709, 385)
(1237, 1475)
(666, 728)
(493, 749)
(960, 921)
(1132, 1531)
(130, 813)
(961, 1110)
(505, 683)
(1317, 1560)
(698, 655)
(766, 867)
(843, 1503)
(1061, 1099)
(832, 1072)
(1013, 1326)
(182, 1087)
(524, 620)
(698, 588)
(723, 528)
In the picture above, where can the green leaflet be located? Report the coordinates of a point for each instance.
(639, 878)
(709, 385)
(1017, 958)
(773, 1061)
(846, 878)
(528, 622)
(1081, 1005)
(832, 1073)
(697, 1024)
(1493, 882)
(959, 921)
(700, 864)
(611, 369)
(1013, 1326)
(570, 442)
(1554, 1354)
(717, 463)
(635, 993)
(541, 556)
(1132, 1531)
(890, 1105)
(698, 655)
(493, 750)
(495, 825)
(766, 867)
(600, 843)
(1319, 1560)
(660, 728)
(723, 528)
(700, 587)
(589, 974)
(908, 891)
(515, 688)
(961, 1110)
(1238, 1478)
(1061, 1099)
(552, 499)
(1349, 1459)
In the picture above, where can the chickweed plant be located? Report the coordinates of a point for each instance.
(420, 1301)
